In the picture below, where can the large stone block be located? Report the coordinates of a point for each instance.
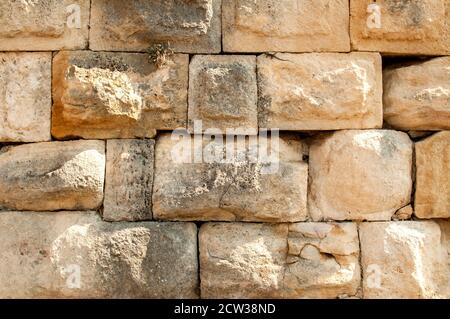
(223, 92)
(198, 179)
(52, 176)
(359, 175)
(417, 96)
(129, 180)
(117, 95)
(286, 26)
(76, 255)
(189, 26)
(432, 197)
(301, 260)
(401, 26)
(406, 259)
(25, 96)
(320, 91)
(44, 25)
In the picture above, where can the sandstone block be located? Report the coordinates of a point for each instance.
(129, 180)
(432, 197)
(406, 259)
(286, 26)
(43, 25)
(301, 260)
(401, 27)
(25, 96)
(189, 26)
(320, 91)
(117, 95)
(53, 176)
(199, 179)
(76, 255)
(223, 92)
(417, 96)
(359, 175)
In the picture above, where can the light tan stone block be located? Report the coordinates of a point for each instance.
(25, 96)
(285, 26)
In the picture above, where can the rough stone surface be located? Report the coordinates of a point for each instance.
(25, 96)
(52, 176)
(359, 175)
(43, 25)
(117, 95)
(406, 259)
(403, 213)
(246, 186)
(432, 196)
(189, 26)
(286, 26)
(302, 260)
(76, 255)
(320, 91)
(129, 180)
(405, 26)
(223, 92)
(417, 97)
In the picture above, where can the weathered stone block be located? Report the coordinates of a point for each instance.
(359, 175)
(53, 176)
(301, 260)
(117, 95)
(417, 96)
(189, 26)
(129, 180)
(406, 259)
(25, 96)
(197, 179)
(43, 25)
(223, 92)
(286, 26)
(76, 255)
(432, 197)
(401, 26)
(320, 91)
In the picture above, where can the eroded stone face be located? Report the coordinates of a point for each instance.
(406, 259)
(25, 96)
(117, 95)
(223, 92)
(320, 91)
(359, 175)
(43, 25)
(189, 26)
(301, 260)
(129, 180)
(53, 176)
(401, 26)
(432, 196)
(247, 186)
(286, 26)
(76, 255)
(417, 97)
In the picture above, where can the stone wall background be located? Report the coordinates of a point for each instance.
(94, 204)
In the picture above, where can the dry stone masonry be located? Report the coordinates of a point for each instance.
(225, 149)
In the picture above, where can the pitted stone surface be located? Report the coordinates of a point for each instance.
(189, 26)
(286, 26)
(104, 95)
(77, 255)
(44, 25)
(25, 96)
(301, 260)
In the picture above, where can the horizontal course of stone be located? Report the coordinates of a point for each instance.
(118, 118)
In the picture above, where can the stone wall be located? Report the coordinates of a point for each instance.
(225, 149)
